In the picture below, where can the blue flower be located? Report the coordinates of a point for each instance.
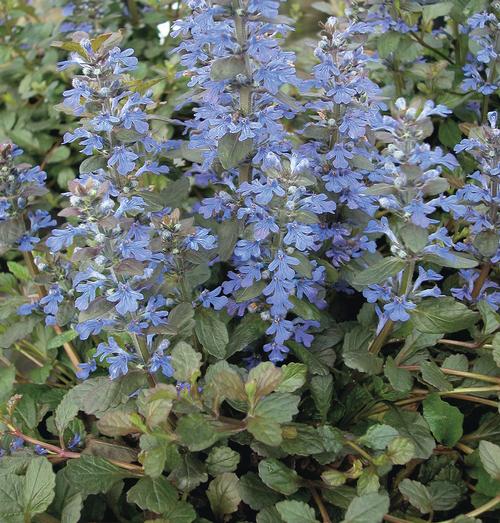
(85, 369)
(62, 238)
(277, 352)
(300, 235)
(160, 361)
(212, 299)
(201, 238)
(126, 298)
(51, 302)
(124, 158)
(397, 309)
(92, 327)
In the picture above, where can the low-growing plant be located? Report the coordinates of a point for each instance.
(277, 302)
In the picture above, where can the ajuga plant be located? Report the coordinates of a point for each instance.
(279, 305)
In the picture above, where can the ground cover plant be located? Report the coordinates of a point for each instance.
(249, 261)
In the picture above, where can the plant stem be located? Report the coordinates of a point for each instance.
(478, 284)
(404, 289)
(359, 450)
(321, 506)
(381, 337)
(423, 43)
(245, 91)
(464, 448)
(490, 505)
(457, 343)
(67, 454)
(463, 374)
(143, 353)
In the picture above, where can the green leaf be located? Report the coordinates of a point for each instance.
(294, 377)
(334, 478)
(444, 420)
(248, 330)
(430, 12)
(266, 378)
(211, 332)
(19, 271)
(322, 393)
(226, 68)
(185, 361)
(180, 512)
(265, 430)
(388, 43)
(61, 339)
(279, 407)
(92, 163)
(417, 494)
(249, 293)
(153, 454)
(400, 450)
(7, 378)
(489, 453)
(414, 237)
(155, 494)
(254, 493)
(296, 512)
(232, 151)
(195, 432)
(223, 494)
(155, 404)
(17, 331)
(278, 476)
(369, 508)
(486, 243)
(11, 492)
(443, 315)
(380, 271)
(411, 425)
(39, 485)
(455, 261)
(222, 459)
(227, 236)
(368, 482)
(432, 374)
(491, 319)
(400, 379)
(96, 396)
(449, 133)
(93, 475)
(378, 436)
(356, 354)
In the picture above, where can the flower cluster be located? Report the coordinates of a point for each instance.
(477, 205)
(481, 71)
(20, 186)
(268, 201)
(119, 245)
(345, 105)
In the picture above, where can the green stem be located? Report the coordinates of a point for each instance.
(359, 450)
(423, 43)
(143, 354)
(404, 289)
(245, 91)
